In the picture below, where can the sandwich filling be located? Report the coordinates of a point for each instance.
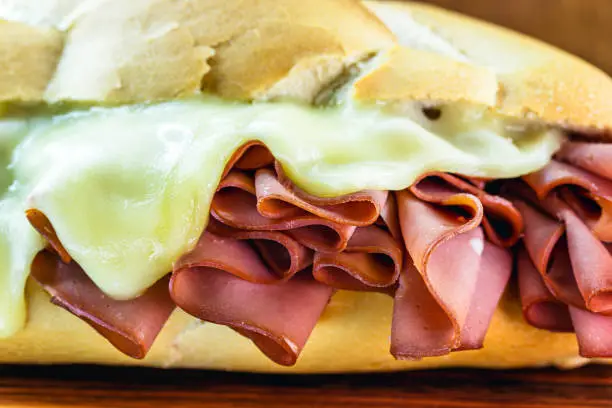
(253, 215)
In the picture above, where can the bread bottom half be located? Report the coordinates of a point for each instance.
(352, 336)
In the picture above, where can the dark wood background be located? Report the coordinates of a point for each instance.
(583, 27)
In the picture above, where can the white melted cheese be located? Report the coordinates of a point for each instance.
(128, 189)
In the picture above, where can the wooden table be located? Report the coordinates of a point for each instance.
(131, 388)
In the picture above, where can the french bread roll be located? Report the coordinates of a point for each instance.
(113, 52)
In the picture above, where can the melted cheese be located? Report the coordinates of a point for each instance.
(128, 188)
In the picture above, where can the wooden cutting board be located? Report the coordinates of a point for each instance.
(86, 386)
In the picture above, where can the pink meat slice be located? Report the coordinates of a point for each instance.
(278, 197)
(501, 222)
(540, 308)
(446, 248)
(588, 194)
(372, 260)
(590, 156)
(129, 325)
(280, 253)
(278, 318)
(425, 327)
(575, 266)
(235, 204)
(594, 332)
(252, 155)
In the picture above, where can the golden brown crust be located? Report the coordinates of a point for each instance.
(29, 55)
(404, 74)
(160, 49)
(537, 81)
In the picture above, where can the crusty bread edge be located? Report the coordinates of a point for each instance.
(536, 81)
(352, 336)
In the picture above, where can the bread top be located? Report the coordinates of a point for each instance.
(115, 52)
(120, 52)
(534, 81)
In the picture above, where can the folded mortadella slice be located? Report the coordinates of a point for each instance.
(228, 254)
(235, 204)
(540, 308)
(592, 264)
(545, 243)
(423, 327)
(389, 218)
(278, 318)
(478, 182)
(502, 222)
(280, 198)
(588, 194)
(590, 156)
(130, 325)
(252, 155)
(493, 277)
(575, 266)
(41, 223)
(372, 260)
(446, 248)
(425, 226)
(281, 254)
(593, 331)
(420, 327)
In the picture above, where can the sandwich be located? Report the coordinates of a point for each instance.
(290, 186)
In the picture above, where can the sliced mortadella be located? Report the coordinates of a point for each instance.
(590, 156)
(281, 253)
(479, 182)
(541, 234)
(546, 245)
(425, 226)
(593, 331)
(575, 265)
(228, 254)
(130, 325)
(280, 200)
(41, 223)
(589, 195)
(372, 260)
(423, 327)
(540, 308)
(420, 327)
(277, 318)
(389, 218)
(493, 277)
(502, 222)
(446, 249)
(250, 156)
(235, 205)
(592, 264)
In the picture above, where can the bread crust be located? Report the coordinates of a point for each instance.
(352, 336)
(536, 81)
(159, 49)
(139, 50)
(502, 71)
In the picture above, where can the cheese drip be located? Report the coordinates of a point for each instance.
(128, 189)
